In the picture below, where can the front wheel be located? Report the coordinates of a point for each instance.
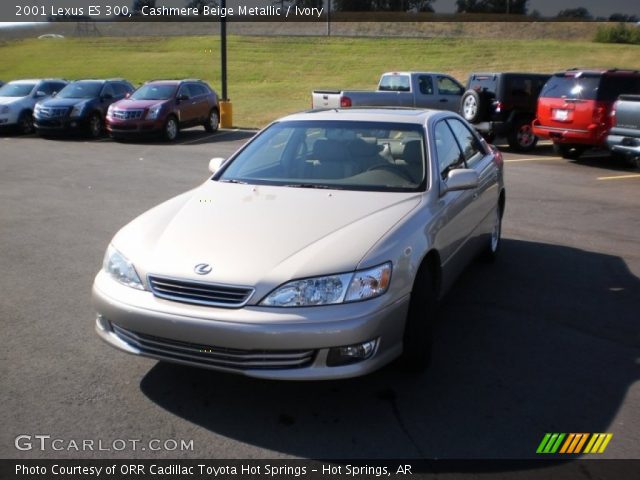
(95, 126)
(521, 137)
(213, 120)
(570, 152)
(491, 251)
(25, 122)
(418, 331)
(170, 131)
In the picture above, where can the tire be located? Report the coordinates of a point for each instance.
(490, 254)
(171, 128)
(472, 106)
(213, 120)
(95, 125)
(635, 162)
(521, 137)
(25, 122)
(570, 152)
(418, 331)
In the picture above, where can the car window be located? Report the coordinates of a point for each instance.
(613, 86)
(82, 89)
(16, 89)
(447, 149)
(446, 86)
(468, 142)
(108, 90)
(483, 83)
(47, 88)
(198, 89)
(185, 90)
(583, 87)
(425, 84)
(121, 89)
(395, 83)
(340, 154)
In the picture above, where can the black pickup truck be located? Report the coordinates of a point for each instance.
(624, 136)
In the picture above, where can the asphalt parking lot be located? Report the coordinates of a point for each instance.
(545, 340)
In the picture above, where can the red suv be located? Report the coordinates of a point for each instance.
(164, 106)
(574, 107)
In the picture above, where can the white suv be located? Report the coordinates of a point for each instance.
(18, 98)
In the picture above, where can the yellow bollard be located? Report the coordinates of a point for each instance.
(226, 114)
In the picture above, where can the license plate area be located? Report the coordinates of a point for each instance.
(560, 114)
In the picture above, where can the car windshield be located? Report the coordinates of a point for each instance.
(154, 92)
(574, 87)
(16, 89)
(81, 90)
(350, 155)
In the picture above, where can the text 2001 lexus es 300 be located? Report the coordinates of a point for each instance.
(317, 251)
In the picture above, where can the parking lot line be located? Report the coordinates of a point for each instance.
(620, 177)
(536, 159)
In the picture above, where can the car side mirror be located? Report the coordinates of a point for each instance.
(182, 98)
(40, 94)
(215, 164)
(461, 179)
(54, 94)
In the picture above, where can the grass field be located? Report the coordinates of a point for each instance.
(272, 76)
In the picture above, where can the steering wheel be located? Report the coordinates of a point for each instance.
(393, 169)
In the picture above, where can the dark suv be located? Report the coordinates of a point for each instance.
(81, 106)
(504, 105)
(574, 109)
(164, 107)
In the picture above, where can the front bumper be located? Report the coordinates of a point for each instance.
(137, 322)
(66, 124)
(9, 119)
(124, 128)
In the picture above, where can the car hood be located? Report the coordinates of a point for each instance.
(9, 100)
(64, 102)
(261, 236)
(129, 104)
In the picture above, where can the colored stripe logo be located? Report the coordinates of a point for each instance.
(574, 443)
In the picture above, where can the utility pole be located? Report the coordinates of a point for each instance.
(226, 109)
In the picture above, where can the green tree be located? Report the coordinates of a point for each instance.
(492, 6)
(579, 13)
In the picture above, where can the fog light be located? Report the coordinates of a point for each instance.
(103, 323)
(351, 353)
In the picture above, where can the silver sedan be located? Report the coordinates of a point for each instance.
(318, 250)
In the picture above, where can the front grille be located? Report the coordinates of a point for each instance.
(127, 114)
(52, 112)
(200, 293)
(212, 356)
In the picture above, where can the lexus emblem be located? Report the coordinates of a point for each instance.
(202, 269)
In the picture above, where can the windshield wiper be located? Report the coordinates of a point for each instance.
(233, 180)
(311, 185)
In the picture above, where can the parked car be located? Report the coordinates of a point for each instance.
(79, 107)
(398, 89)
(624, 136)
(165, 106)
(574, 109)
(318, 250)
(504, 105)
(18, 98)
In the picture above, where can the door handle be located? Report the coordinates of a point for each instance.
(443, 100)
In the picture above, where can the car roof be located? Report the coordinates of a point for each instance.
(597, 71)
(174, 82)
(393, 114)
(36, 80)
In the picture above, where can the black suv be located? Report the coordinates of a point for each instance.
(81, 106)
(504, 105)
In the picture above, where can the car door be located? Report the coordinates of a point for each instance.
(424, 89)
(107, 97)
(449, 93)
(485, 197)
(187, 111)
(201, 105)
(456, 207)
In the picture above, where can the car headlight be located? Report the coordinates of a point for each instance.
(332, 289)
(153, 112)
(77, 111)
(121, 269)
(110, 110)
(4, 109)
